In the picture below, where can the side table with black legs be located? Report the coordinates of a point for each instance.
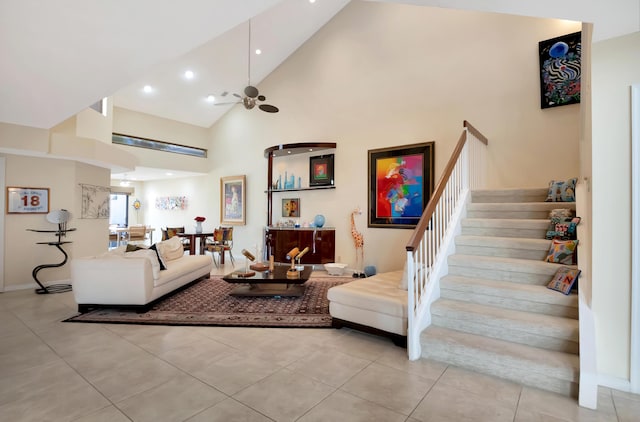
(60, 217)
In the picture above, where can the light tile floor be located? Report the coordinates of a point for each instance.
(55, 371)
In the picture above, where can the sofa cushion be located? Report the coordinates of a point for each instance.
(171, 249)
(150, 256)
(379, 293)
(161, 262)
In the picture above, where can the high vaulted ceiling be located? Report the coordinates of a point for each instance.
(59, 57)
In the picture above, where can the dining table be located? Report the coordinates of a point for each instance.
(122, 234)
(192, 240)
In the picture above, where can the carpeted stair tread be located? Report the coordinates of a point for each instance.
(550, 370)
(510, 195)
(544, 331)
(503, 269)
(503, 242)
(526, 210)
(535, 228)
(508, 247)
(526, 297)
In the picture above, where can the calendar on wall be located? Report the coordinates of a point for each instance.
(27, 200)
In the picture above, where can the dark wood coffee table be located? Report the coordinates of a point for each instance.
(269, 283)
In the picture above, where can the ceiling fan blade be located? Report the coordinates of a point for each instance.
(251, 91)
(237, 95)
(227, 103)
(268, 108)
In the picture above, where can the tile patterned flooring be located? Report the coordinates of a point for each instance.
(54, 371)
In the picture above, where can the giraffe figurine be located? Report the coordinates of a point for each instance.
(358, 240)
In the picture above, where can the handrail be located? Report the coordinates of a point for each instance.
(423, 223)
(475, 132)
(432, 240)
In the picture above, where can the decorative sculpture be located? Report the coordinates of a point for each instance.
(358, 240)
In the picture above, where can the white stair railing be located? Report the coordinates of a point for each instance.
(432, 239)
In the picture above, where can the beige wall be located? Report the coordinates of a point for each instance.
(129, 122)
(380, 75)
(62, 177)
(616, 66)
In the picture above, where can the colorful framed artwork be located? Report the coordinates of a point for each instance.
(233, 200)
(560, 70)
(400, 184)
(27, 200)
(321, 170)
(291, 207)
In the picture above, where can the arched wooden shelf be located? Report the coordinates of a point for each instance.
(284, 150)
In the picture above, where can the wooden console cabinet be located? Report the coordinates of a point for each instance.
(321, 243)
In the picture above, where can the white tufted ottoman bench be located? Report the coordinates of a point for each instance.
(376, 304)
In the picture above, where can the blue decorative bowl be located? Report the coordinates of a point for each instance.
(318, 220)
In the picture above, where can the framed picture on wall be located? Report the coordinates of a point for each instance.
(321, 170)
(400, 184)
(291, 207)
(560, 70)
(27, 200)
(233, 200)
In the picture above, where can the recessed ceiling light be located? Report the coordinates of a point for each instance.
(148, 89)
(312, 1)
(258, 51)
(211, 99)
(188, 74)
(169, 174)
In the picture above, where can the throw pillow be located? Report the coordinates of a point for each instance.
(133, 248)
(564, 279)
(562, 252)
(563, 228)
(404, 281)
(562, 191)
(561, 212)
(171, 249)
(154, 248)
(150, 256)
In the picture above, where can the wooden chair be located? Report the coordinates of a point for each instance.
(137, 233)
(169, 232)
(222, 242)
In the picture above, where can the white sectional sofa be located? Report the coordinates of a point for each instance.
(376, 304)
(134, 279)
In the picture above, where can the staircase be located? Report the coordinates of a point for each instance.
(495, 314)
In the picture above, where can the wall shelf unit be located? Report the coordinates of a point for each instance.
(286, 150)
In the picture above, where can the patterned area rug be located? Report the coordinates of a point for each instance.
(208, 303)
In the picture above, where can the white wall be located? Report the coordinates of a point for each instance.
(616, 66)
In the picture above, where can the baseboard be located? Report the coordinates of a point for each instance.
(615, 383)
(32, 285)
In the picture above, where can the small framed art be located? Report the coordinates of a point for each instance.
(291, 207)
(27, 200)
(321, 170)
(232, 200)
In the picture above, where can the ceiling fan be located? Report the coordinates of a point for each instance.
(252, 96)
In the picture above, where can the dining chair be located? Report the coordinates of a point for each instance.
(137, 233)
(222, 242)
(170, 232)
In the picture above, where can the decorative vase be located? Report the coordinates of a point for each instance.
(198, 226)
